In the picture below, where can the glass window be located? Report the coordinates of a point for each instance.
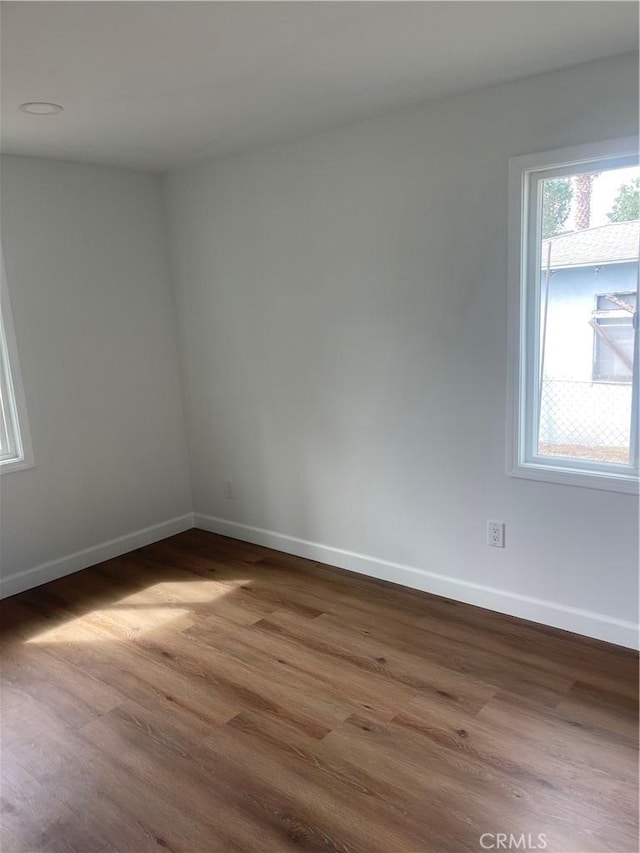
(575, 399)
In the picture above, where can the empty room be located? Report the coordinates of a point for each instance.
(320, 427)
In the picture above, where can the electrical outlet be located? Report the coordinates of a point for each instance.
(228, 490)
(495, 534)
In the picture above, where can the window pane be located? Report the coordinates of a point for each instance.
(614, 301)
(613, 349)
(590, 228)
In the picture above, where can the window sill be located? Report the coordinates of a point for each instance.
(11, 465)
(626, 483)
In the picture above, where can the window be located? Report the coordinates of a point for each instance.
(15, 441)
(613, 340)
(574, 239)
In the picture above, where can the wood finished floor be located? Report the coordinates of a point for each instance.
(202, 694)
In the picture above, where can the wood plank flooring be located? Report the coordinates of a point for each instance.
(207, 695)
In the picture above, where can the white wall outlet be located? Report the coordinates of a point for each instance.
(228, 490)
(495, 534)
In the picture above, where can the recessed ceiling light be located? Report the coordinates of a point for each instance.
(40, 108)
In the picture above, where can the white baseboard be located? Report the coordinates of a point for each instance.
(562, 616)
(573, 619)
(45, 572)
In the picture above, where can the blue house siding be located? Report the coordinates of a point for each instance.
(575, 410)
(572, 299)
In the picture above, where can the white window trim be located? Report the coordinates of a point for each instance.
(16, 402)
(521, 323)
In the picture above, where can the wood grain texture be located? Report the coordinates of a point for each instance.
(203, 694)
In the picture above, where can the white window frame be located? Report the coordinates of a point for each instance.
(525, 174)
(14, 414)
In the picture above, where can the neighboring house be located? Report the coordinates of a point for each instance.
(591, 278)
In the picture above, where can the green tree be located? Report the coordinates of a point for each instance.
(626, 206)
(556, 204)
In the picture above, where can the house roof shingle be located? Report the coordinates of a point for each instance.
(605, 244)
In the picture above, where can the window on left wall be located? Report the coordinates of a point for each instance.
(15, 440)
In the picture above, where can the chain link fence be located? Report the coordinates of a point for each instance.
(585, 420)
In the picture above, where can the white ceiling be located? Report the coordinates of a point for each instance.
(158, 84)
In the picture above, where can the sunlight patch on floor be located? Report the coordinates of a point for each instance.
(191, 592)
(110, 624)
(137, 614)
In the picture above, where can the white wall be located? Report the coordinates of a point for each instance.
(342, 320)
(87, 271)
